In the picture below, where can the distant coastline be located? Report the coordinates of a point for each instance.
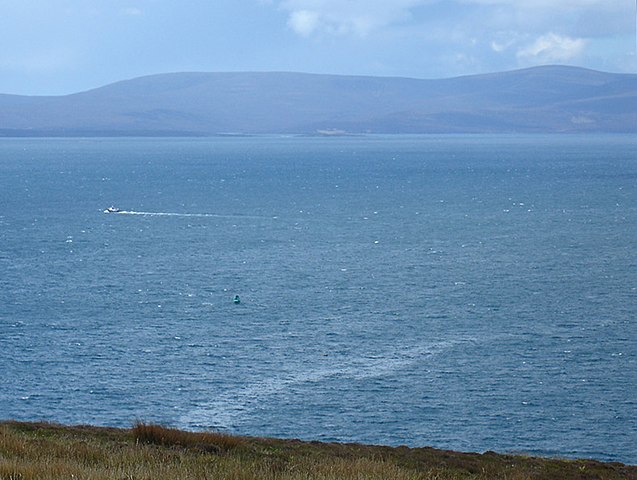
(548, 99)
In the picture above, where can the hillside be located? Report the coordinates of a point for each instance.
(541, 99)
(43, 451)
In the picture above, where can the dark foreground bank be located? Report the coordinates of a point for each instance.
(51, 451)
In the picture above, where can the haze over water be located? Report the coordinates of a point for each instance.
(465, 292)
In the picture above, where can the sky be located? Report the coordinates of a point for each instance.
(56, 47)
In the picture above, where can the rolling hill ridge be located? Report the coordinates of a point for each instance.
(547, 99)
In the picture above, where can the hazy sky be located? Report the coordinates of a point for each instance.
(64, 46)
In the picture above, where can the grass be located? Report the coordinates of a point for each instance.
(205, 441)
(46, 451)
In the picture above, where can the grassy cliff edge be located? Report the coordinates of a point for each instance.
(146, 451)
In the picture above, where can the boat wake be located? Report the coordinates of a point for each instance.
(190, 215)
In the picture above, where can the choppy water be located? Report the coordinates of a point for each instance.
(466, 292)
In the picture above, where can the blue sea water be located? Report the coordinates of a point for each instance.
(465, 292)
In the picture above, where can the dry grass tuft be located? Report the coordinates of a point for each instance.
(214, 442)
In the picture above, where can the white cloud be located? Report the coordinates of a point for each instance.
(362, 17)
(552, 48)
(499, 46)
(550, 4)
(342, 17)
(304, 22)
(492, 34)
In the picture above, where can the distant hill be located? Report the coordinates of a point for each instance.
(540, 99)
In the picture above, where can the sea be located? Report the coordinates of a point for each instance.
(465, 292)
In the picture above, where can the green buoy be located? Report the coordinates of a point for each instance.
(236, 300)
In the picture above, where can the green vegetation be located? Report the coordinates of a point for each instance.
(46, 451)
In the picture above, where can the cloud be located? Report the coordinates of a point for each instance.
(550, 4)
(345, 17)
(492, 34)
(552, 48)
(304, 22)
(502, 43)
(364, 17)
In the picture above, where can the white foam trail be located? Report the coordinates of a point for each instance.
(228, 408)
(200, 215)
